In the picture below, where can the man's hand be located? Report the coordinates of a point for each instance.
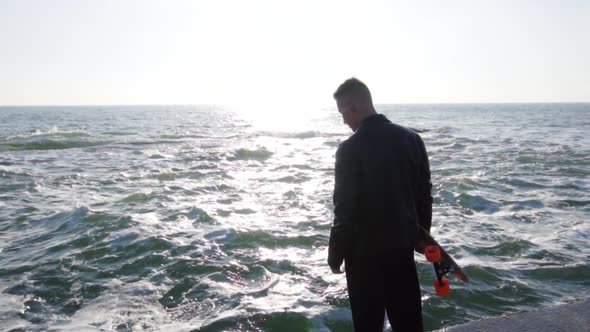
(336, 270)
(335, 264)
(420, 246)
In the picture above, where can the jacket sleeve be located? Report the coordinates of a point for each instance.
(424, 189)
(346, 192)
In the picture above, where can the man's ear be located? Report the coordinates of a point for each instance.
(351, 106)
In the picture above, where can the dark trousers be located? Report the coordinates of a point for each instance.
(384, 283)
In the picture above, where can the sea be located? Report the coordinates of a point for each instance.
(214, 218)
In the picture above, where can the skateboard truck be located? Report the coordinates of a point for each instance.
(441, 284)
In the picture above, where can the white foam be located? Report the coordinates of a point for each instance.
(134, 306)
(53, 131)
(10, 307)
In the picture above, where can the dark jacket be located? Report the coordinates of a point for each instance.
(382, 191)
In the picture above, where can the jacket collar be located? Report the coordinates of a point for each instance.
(372, 120)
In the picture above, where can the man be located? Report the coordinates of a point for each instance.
(382, 193)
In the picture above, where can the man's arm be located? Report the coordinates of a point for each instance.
(423, 194)
(345, 206)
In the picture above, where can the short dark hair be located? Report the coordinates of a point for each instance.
(355, 89)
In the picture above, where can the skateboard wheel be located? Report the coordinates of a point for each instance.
(443, 288)
(432, 254)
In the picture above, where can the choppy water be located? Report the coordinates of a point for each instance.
(199, 218)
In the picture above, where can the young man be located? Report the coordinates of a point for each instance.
(382, 193)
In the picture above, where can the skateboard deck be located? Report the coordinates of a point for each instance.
(443, 263)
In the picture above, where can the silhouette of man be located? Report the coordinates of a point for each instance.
(382, 193)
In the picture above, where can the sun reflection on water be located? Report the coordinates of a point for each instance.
(283, 117)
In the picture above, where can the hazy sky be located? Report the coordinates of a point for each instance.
(294, 52)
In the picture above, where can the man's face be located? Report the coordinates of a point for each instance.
(349, 114)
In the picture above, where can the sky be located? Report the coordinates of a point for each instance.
(116, 52)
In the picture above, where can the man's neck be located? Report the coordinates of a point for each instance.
(367, 114)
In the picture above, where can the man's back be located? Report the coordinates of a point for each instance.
(387, 168)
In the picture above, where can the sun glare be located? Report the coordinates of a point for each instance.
(279, 116)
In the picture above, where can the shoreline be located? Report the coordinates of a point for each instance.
(573, 316)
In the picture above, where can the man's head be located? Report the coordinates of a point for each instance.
(354, 102)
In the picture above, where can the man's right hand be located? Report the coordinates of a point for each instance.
(420, 246)
(336, 270)
(335, 264)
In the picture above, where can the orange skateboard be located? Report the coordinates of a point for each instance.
(443, 264)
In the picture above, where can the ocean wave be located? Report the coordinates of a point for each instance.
(182, 294)
(559, 273)
(63, 217)
(297, 178)
(171, 176)
(297, 166)
(197, 215)
(60, 236)
(11, 171)
(569, 203)
(259, 154)
(258, 238)
(277, 321)
(522, 183)
(182, 136)
(50, 145)
(477, 203)
(297, 135)
(191, 268)
(51, 132)
(145, 264)
(139, 197)
(147, 143)
(528, 216)
(525, 204)
(509, 248)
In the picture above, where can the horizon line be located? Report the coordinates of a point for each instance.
(222, 105)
